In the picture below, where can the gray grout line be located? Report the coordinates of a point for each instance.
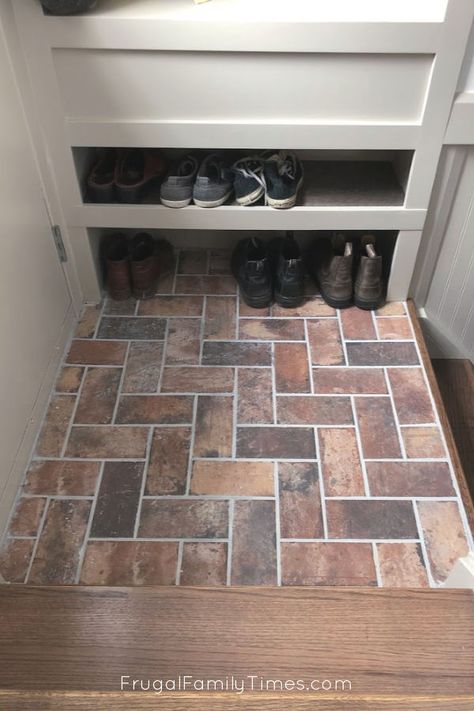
(360, 447)
(395, 414)
(376, 328)
(274, 395)
(83, 548)
(157, 539)
(322, 488)
(424, 551)
(74, 412)
(378, 572)
(121, 381)
(308, 357)
(38, 537)
(277, 521)
(202, 331)
(230, 534)
(142, 488)
(189, 472)
(179, 562)
(350, 540)
(235, 413)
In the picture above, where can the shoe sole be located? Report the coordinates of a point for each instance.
(251, 198)
(176, 203)
(213, 203)
(335, 303)
(257, 302)
(369, 305)
(288, 302)
(287, 202)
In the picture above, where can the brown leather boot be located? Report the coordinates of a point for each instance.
(144, 265)
(369, 289)
(330, 264)
(117, 261)
(136, 170)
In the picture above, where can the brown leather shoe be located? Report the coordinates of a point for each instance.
(144, 265)
(369, 289)
(117, 261)
(136, 170)
(101, 179)
(330, 264)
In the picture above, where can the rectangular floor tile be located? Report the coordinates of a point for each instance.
(219, 261)
(276, 442)
(325, 342)
(412, 400)
(254, 543)
(236, 353)
(155, 410)
(394, 328)
(170, 306)
(291, 368)
(142, 373)
(204, 564)
(340, 463)
(55, 426)
(370, 519)
(314, 410)
(350, 381)
(117, 500)
(281, 329)
(120, 308)
(313, 306)
(130, 563)
(255, 396)
(378, 430)
(206, 285)
(357, 324)
(107, 442)
(233, 478)
(444, 536)
(183, 345)
(300, 500)
(391, 308)
(97, 353)
(423, 442)
(214, 426)
(198, 380)
(98, 397)
(131, 328)
(57, 555)
(220, 320)
(401, 565)
(328, 564)
(169, 461)
(383, 354)
(69, 379)
(62, 478)
(15, 557)
(175, 518)
(192, 261)
(26, 517)
(409, 479)
(88, 321)
(246, 311)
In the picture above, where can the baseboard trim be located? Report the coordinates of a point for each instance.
(32, 426)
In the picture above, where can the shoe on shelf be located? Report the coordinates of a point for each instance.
(136, 170)
(213, 184)
(369, 288)
(177, 188)
(101, 179)
(330, 265)
(283, 175)
(68, 7)
(117, 261)
(288, 271)
(144, 265)
(249, 183)
(251, 268)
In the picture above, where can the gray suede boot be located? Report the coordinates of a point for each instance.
(369, 289)
(330, 263)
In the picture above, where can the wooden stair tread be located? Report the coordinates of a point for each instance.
(393, 645)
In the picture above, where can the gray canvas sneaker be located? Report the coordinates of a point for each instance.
(177, 188)
(213, 186)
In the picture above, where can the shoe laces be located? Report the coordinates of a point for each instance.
(285, 164)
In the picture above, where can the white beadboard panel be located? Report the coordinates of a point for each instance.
(449, 302)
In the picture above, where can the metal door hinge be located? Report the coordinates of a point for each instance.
(58, 241)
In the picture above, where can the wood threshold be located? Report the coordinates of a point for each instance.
(448, 433)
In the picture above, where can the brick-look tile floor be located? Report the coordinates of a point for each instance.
(193, 440)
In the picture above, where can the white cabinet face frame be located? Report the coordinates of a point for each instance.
(409, 56)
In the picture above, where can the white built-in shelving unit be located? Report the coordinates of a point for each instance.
(362, 90)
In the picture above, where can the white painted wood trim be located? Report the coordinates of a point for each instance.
(462, 575)
(460, 130)
(403, 263)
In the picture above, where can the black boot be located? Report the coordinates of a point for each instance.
(251, 268)
(288, 271)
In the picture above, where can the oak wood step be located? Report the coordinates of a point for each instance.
(404, 649)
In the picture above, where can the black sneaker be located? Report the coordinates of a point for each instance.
(288, 271)
(251, 268)
(283, 174)
(249, 185)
